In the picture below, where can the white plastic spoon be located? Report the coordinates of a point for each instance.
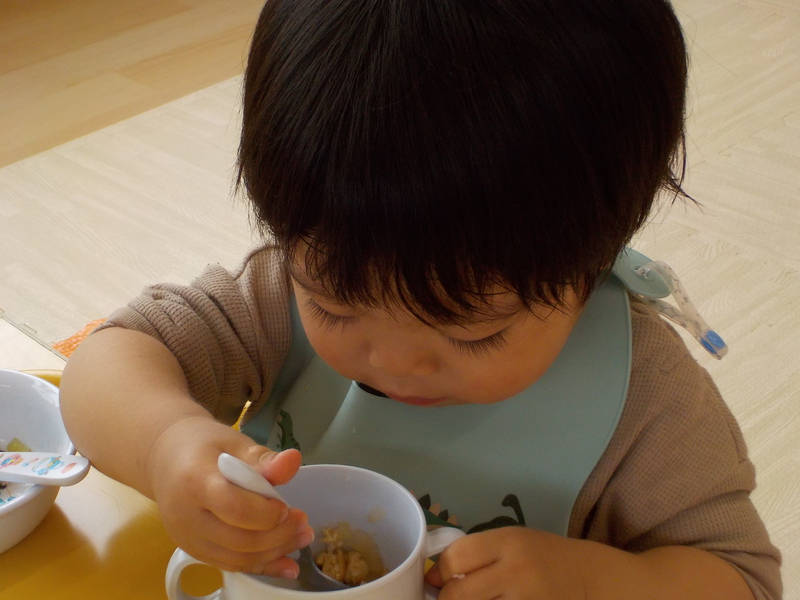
(245, 476)
(43, 468)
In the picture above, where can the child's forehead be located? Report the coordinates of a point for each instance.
(491, 306)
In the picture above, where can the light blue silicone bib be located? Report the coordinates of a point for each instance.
(523, 460)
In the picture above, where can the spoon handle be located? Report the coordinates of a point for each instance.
(44, 468)
(243, 475)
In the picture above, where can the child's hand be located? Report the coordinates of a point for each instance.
(214, 520)
(516, 563)
(511, 562)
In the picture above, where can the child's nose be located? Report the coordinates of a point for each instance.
(401, 359)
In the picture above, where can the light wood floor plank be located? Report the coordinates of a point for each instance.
(56, 54)
(37, 31)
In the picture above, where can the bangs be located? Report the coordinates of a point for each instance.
(420, 293)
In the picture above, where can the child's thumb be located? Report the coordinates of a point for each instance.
(434, 576)
(279, 467)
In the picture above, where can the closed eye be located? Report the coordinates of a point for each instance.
(482, 346)
(327, 319)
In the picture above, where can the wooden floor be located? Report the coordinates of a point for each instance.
(85, 225)
(70, 67)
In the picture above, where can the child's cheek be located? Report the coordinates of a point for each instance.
(336, 350)
(506, 374)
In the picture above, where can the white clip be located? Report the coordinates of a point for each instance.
(685, 315)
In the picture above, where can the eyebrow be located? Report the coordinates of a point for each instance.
(495, 316)
(476, 318)
(304, 282)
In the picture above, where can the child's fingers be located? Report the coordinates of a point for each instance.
(279, 467)
(273, 563)
(237, 549)
(477, 585)
(281, 567)
(242, 508)
(467, 555)
(293, 533)
(434, 576)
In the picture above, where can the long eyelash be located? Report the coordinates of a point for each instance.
(328, 320)
(479, 347)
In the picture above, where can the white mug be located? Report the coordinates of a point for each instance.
(369, 502)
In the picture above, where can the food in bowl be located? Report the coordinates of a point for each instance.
(14, 446)
(351, 555)
(29, 411)
(12, 491)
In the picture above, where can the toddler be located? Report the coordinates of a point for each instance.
(446, 186)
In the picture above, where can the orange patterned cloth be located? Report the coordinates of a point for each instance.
(67, 346)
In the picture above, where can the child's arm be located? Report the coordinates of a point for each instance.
(127, 407)
(521, 563)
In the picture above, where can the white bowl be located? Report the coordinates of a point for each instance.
(29, 411)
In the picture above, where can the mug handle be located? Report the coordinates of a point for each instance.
(435, 542)
(179, 561)
(439, 539)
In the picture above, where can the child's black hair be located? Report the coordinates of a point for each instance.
(430, 149)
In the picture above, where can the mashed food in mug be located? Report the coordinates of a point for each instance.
(351, 556)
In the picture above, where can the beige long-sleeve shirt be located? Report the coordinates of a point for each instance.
(676, 471)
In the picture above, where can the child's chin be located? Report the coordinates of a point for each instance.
(423, 402)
